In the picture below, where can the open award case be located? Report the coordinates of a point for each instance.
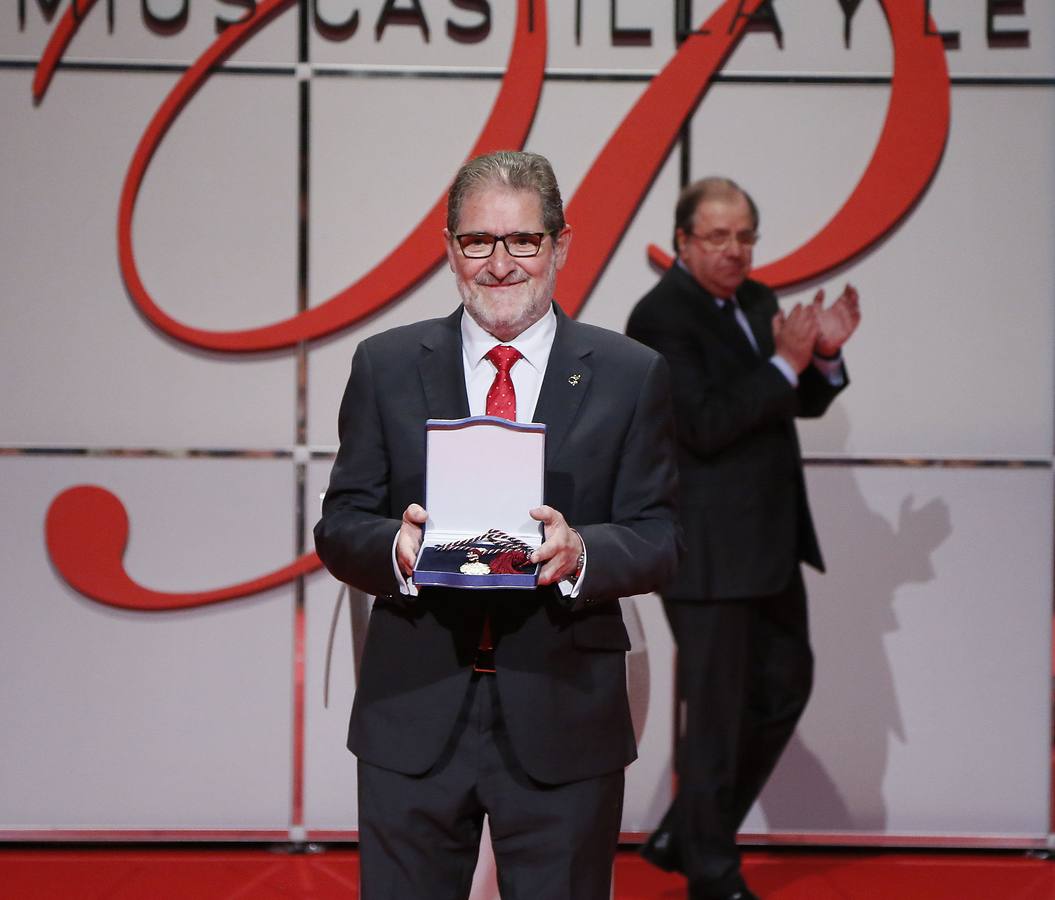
(482, 476)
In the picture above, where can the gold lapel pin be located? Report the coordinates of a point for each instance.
(574, 379)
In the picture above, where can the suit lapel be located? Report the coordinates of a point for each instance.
(758, 319)
(441, 370)
(702, 309)
(565, 385)
(732, 333)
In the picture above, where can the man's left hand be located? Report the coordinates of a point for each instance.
(836, 323)
(561, 548)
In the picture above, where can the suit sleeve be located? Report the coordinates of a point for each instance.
(355, 534)
(637, 551)
(816, 392)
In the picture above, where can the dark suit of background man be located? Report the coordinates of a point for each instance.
(741, 371)
(538, 743)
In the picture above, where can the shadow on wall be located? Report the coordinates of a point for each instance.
(854, 713)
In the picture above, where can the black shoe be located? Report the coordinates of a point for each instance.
(661, 849)
(740, 893)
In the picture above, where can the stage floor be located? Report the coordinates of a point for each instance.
(235, 873)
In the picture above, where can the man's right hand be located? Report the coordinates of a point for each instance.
(408, 542)
(794, 335)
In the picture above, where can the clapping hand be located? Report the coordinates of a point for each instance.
(836, 323)
(795, 335)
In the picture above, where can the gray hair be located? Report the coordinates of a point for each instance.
(714, 187)
(514, 169)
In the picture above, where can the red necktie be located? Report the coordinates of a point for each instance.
(502, 398)
(501, 402)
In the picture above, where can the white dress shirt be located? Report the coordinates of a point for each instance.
(534, 344)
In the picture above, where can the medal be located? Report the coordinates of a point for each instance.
(472, 565)
(492, 553)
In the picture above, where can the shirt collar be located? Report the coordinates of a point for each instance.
(534, 342)
(719, 301)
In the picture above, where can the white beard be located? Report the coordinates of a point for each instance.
(525, 306)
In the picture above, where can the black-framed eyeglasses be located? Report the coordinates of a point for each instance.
(480, 244)
(720, 238)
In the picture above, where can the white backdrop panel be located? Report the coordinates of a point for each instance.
(129, 720)
(931, 712)
(953, 357)
(375, 176)
(976, 56)
(574, 123)
(406, 44)
(89, 369)
(133, 41)
(216, 223)
(814, 39)
(812, 35)
(595, 48)
(331, 631)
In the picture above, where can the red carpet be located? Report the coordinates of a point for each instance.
(232, 873)
(869, 875)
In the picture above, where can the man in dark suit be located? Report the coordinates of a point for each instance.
(509, 703)
(741, 371)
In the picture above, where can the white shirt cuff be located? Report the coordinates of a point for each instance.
(406, 585)
(785, 369)
(832, 369)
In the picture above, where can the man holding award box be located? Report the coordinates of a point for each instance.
(510, 702)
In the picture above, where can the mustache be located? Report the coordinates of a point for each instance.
(515, 276)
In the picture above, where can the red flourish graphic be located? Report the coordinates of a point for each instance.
(87, 526)
(87, 530)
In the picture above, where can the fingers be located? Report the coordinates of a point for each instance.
(547, 515)
(559, 551)
(777, 323)
(802, 319)
(847, 310)
(408, 543)
(848, 299)
(415, 514)
(853, 303)
(796, 335)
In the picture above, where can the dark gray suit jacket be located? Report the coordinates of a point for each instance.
(609, 469)
(744, 511)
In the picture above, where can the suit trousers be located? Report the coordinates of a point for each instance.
(744, 674)
(420, 835)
